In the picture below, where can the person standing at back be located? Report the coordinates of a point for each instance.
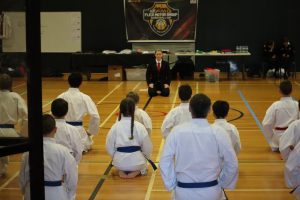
(198, 159)
(13, 111)
(81, 104)
(158, 76)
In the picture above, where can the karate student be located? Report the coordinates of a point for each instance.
(81, 104)
(13, 112)
(179, 114)
(128, 143)
(60, 169)
(292, 173)
(140, 115)
(220, 109)
(280, 115)
(198, 159)
(66, 134)
(290, 138)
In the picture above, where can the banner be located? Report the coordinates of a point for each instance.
(160, 21)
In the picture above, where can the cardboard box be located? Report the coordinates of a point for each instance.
(135, 74)
(115, 73)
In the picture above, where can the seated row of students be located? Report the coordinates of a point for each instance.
(130, 146)
(282, 130)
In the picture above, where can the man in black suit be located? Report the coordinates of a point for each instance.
(158, 76)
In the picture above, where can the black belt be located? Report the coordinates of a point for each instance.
(52, 183)
(197, 185)
(131, 149)
(75, 123)
(7, 126)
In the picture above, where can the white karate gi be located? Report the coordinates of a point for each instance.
(13, 110)
(58, 164)
(232, 132)
(290, 137)
(280, 114)
(198, 152)
(292, 173)
(69, 136)
(81, 104)
(118, 136)
(141, 116)
(176, 116)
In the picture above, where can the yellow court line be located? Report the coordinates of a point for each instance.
(197, 88)
(110, 93)
(152, 179)
(9, 180)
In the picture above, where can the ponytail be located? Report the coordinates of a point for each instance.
(132, 126)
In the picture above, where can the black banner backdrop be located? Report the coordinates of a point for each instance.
(161, 21)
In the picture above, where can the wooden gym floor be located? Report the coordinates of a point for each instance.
(260, 170)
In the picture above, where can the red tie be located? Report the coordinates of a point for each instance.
(158, 67)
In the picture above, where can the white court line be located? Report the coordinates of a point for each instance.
(21, 94)
(109, 93)
(115, 110)
(9, 180)
(297, 83)
(18, 85)
(152, 179)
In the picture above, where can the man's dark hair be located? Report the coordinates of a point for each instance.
(185, 92)
(5, 82)
(48, 124)
(75, 79)
(200, 105)
(134, 96)
(286, 87)
(220, 109)
(59, 108)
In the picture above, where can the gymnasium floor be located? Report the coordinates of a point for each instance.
(260, 170)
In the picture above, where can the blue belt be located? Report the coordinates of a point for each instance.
(7, 126)
(52, 183)
(131, 149)
(197, 185)
(75, 123)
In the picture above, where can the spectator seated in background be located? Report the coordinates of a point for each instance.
(286, 56)
(270, 58)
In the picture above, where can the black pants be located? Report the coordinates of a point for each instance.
(158, 87)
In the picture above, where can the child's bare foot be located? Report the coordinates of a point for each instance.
(133, 174)
(122, 174)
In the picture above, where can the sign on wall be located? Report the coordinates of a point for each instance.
(163, 21)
